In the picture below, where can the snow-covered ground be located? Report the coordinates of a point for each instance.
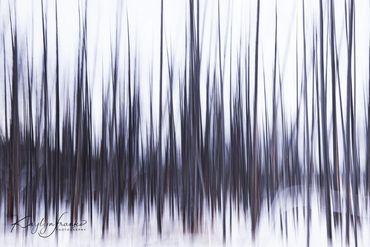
(274, 230)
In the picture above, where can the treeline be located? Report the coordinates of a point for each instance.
(50, 154)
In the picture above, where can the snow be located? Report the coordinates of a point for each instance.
(134, 233)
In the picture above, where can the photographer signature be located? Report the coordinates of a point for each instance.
(46, 228)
